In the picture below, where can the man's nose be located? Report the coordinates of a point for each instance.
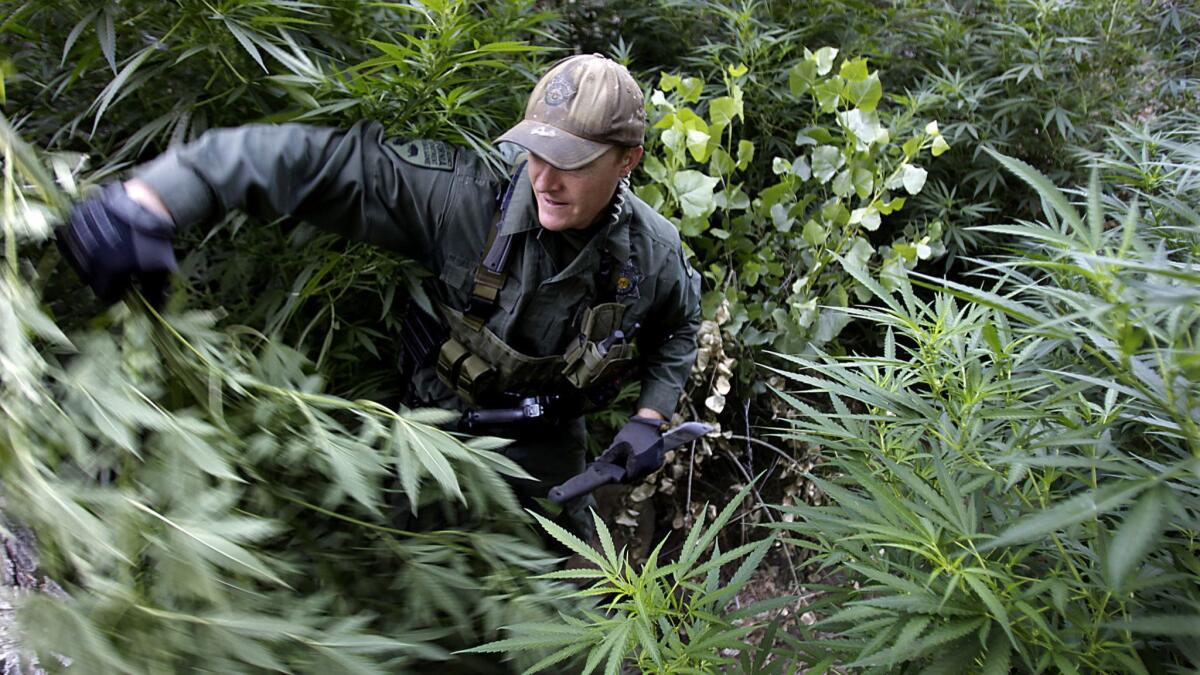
(546, 177)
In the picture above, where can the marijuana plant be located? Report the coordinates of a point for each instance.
(1012, 483)
(203, 502)
(658, 618)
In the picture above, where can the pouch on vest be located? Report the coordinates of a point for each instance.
(504, 368)
(467, 374)
(600, 353)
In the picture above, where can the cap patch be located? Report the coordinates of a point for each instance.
(549, 132)
(426, 153)
(560, 90)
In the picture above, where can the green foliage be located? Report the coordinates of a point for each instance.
(658, 618)
(145, 76)
(779, 250)
(205, 503)
(215, 492)
(1012, 482)
(447, 69)
(1029, 78)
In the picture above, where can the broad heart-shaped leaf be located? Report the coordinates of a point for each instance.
(865, 127)
(675, 138)
(693, 227)
(690, 88)
(828, 93)
(721, 111)
(864, 182)
(655, 169)
(826, 160)
(868, 217)
(801, 75)
(694, 190)
(745, 154)
(865, 94)
(1077, 509)
(939, 146)
(913, 178)
(801, 169)
(860, 252)
(780, 218)
(823, 58)
(843, 186)
(651, 195)
(854, 70)
(720, 163)
(814, 233)
(697, 144)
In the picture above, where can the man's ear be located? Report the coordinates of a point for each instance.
(630, 160)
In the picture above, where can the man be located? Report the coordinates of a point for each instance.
(544, 285)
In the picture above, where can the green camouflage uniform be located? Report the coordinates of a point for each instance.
(435, 203)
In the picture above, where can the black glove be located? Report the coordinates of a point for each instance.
(637, 447)
(111, 240)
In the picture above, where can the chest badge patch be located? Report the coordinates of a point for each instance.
(626, 281)
(426, 153)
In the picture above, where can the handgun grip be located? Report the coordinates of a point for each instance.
(597, 474)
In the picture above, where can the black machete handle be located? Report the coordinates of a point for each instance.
(597, 474)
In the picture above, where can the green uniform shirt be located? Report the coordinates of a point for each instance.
(435, 203)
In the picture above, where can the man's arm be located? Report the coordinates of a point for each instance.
(669, 347)
(353, 182)
(667, 362)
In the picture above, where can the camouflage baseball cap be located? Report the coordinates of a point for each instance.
(580, 108)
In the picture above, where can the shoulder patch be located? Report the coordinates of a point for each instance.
(425, 153)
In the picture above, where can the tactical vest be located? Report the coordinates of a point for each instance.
(477, 365)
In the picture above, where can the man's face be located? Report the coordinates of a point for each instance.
(572, 200)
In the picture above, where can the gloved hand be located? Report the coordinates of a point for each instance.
(636, 447)
(111, 240)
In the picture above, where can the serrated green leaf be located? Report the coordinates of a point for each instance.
(902, 653)
(1077, 509)
(112, 89)
(1183, 625)
(1046, 189)
(1136, 537)
(998, 659)
(569, 540)
(992, 603)
(106, 34)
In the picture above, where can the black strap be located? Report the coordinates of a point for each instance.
(492, 271)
